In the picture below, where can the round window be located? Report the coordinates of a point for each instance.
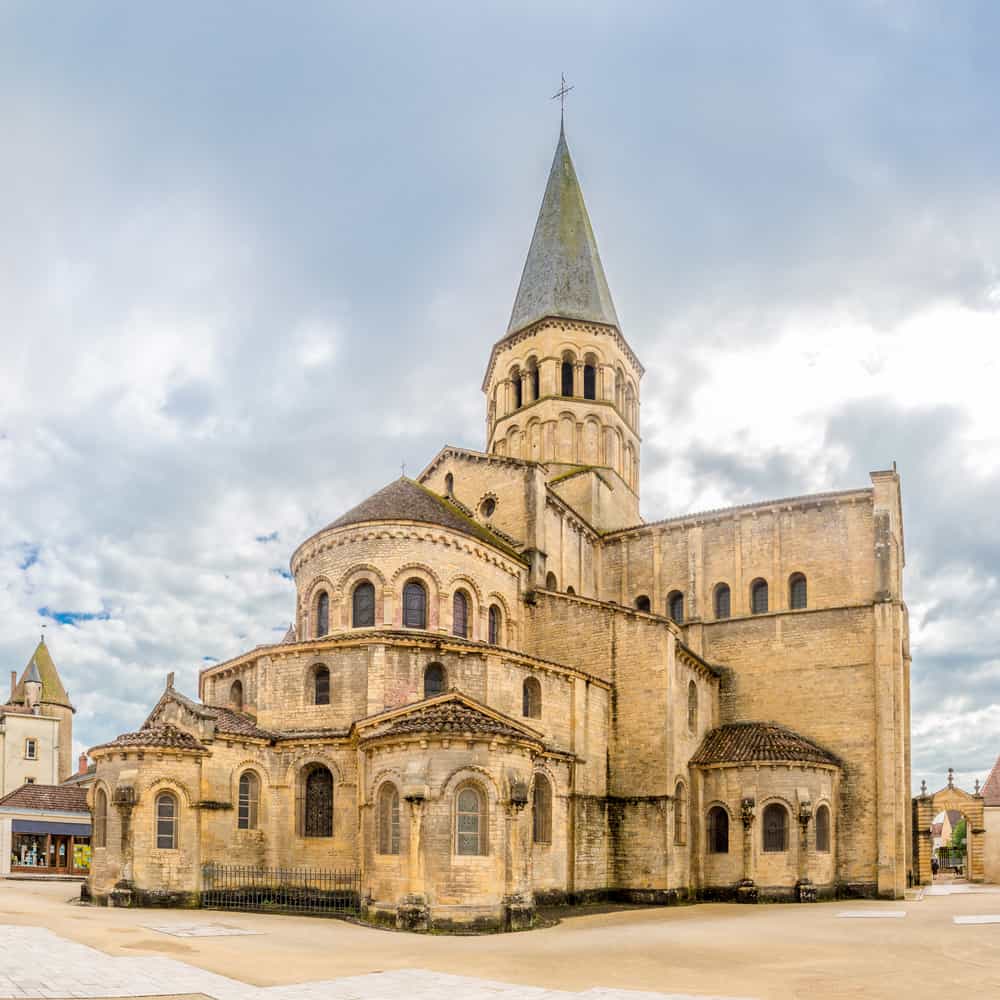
(487, 507)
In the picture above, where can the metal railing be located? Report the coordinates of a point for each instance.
(321, 892)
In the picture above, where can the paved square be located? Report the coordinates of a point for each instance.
(199, 930)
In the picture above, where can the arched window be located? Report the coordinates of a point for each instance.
(322, 614)
(166, 822)
(433, 680)
(541, 811)
(494, 625)
(534, 381)
(470, 821)
(722, 602)
(487, 507)
(388, 819)
(823, 829)
(680, 814)
(642, 603)
(797, 591)
(101, 818)
(775, 828)
(363, 605)
(414, 605)
(249, 801)
(515, 378)
(567, 378)
(692, 706)
(321, 685)
(317, 806)
(589, 382)
(236, 696)
(675, 606)
(758, 597)
(718, 830)
(531, 698)
(571, 591)
(550, 582)
(460, 614)
(449, 485)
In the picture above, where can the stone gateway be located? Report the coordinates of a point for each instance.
(504, 688)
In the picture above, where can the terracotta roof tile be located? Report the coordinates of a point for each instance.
(744, 742)
(55, 798)
(237, 723)
(166, 736)
(991, 790)
(450, 717)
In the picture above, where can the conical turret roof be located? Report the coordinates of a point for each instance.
(41, 667)
(563, 275)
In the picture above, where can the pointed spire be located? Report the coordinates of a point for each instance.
(42, 668)
(563, 275)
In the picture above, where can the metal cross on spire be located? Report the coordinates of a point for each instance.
(561, 94)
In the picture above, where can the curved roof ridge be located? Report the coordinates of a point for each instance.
(749, 741)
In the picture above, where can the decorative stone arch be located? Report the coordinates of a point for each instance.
(306, 758)
(591, 438)
(481, 505)
(703, 832)
(430, 579)
(378, 779)
(790, 808)
(357, 574)
(925, 808)
(168, 784)
(319, 585)
(263, 782)
(680, 824)
(461, 581)
(475, 773)
(514, 441)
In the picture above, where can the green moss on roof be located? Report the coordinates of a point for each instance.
(53, 692)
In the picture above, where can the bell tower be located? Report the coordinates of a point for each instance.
(562, 384)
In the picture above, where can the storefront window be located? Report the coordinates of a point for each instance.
(50, 851)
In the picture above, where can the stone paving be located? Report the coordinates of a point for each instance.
(34, 962)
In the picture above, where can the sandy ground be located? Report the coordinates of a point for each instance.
(767, 951)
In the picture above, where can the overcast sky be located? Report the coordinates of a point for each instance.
(253, 258)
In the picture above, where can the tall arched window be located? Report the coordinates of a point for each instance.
(449, 485)
(460, 614)
(414, 605)
(470, 821)
(541, 811)
(758, 597)
(692, 706)
(388, 819)
(321, 685)
(236, 696)
(166, 822)
(515, 379)
(567, 378)
(433, 680)
(589, 382)
(797, 591)
(249, 801)
(531, 698)
(718, 830)
(675, 606)
(642, 603)
(535, 383)
(775, 828)
(317, 805)
(680, 813)
(494, 625)
(101, 818)
(363, 605)
(722, 602)
(823, 829)
(322, 614)
(550, 582)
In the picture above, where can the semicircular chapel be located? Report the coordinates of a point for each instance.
(503, 687)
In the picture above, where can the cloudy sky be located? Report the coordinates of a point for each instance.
(253, 257)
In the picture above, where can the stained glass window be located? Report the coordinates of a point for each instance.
(470, 822)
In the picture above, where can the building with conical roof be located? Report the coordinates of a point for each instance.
(503, 686)
(36, 725)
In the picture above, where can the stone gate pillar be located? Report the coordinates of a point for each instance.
(923, 816)
(746, 892)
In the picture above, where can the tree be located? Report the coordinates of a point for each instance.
(958, 836)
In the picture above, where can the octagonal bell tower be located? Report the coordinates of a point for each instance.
(562, 384)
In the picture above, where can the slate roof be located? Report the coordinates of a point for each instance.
(991, 789)
(56, 798)
(406, 500)
(53, 692)
(563, 274)
(166, 736)
(453, 716)
(745, 742)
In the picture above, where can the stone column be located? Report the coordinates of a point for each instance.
(578, 379)
(412, 911)
(746, 892)
(804, 889)
(124, 799)
(518, 900)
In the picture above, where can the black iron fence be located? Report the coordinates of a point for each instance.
(321, 892)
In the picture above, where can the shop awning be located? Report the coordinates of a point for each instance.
(43, 827)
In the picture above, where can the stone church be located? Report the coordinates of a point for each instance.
(504, 688)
